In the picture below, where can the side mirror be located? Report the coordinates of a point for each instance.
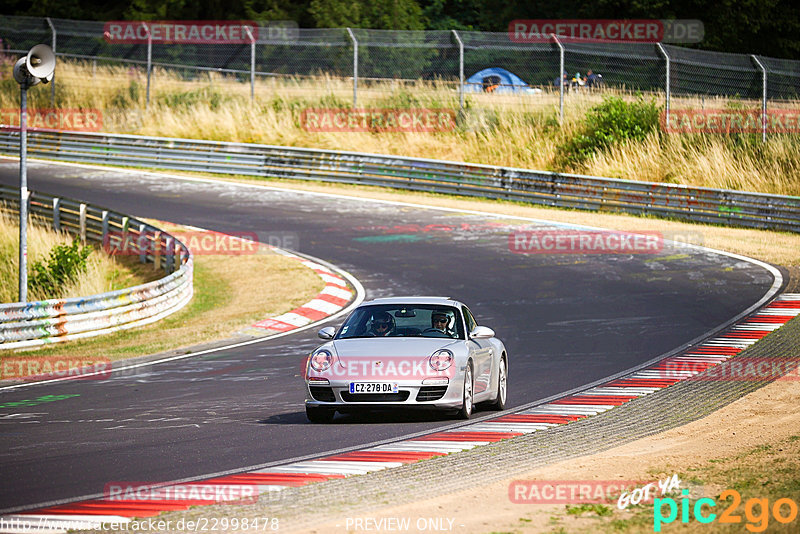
(326, 333)
(481, 332)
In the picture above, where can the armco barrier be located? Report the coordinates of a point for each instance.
(698, 204)
(27, 324)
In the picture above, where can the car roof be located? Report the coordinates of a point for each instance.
(444, 301)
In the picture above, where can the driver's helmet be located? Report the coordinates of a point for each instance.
(441, 320)
(382, 323)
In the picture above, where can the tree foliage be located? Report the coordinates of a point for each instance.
(766, 27)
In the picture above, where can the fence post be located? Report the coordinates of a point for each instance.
(149, 62)
(667, 83)
(460, 71)
(53, 81)
(252, 63)
(560, 79)
(355, 67)
(763, 99)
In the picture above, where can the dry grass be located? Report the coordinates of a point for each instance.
(103, 273)
(497, 129)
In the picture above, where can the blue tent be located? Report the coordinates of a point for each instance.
(497, 80)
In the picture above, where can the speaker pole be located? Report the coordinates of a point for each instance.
(37, 66)
(23, 192)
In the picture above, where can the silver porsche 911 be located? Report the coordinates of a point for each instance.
(406, 352)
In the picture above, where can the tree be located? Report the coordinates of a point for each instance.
(376, 14)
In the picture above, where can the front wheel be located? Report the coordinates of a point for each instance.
(316, 414)
(466, 406)
(502, 386)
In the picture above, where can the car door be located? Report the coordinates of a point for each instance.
(482, 355)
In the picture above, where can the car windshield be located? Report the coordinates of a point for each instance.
(403, 320)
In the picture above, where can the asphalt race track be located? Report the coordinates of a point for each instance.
(566, 320)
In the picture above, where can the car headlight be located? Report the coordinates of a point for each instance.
(321, 360)
(441, 360)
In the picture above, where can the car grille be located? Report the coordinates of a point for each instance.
(374, 397)
(323, 394)
(431, 393)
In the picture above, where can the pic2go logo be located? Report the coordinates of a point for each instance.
(756, 511)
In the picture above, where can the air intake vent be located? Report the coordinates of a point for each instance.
(431, 393)
(322, 394)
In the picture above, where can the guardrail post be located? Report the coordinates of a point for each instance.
(560, 79)
(53, 81)
(355, 67)
(149, 62)
(123, 240)
(57, 214)
(157, 250)
(460, 71)
(252, 63)
(82, 221)
(763, 99)
(142, 243)
(104, 238)
(170, 254)
(667, 82)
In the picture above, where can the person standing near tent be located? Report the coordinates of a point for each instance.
(590, 79)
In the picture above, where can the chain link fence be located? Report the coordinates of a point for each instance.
(366, 65)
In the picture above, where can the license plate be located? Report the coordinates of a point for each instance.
(373, 387)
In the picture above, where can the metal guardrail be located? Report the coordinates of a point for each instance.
(697, 204)
(27, 324)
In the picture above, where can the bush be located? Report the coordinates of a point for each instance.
(612, 122)
(63, 265)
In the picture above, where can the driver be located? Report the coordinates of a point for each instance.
(382, 324)
(440, 321)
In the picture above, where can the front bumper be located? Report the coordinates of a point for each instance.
(336, 394)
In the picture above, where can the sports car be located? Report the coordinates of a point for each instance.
(406, 352)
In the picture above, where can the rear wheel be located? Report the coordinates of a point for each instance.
(316, 414)
(467, 403)
(502, 386)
